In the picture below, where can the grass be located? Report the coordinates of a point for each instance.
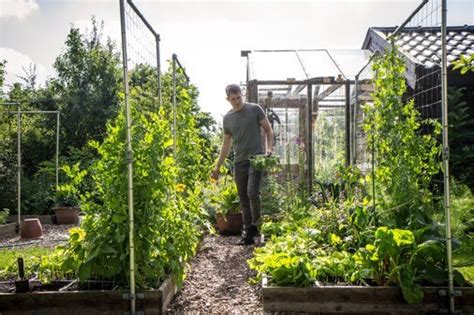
(8, 260)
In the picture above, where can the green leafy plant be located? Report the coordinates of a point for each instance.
(4, 215)
(405, 159)
(68, 194)
(226, 197)
(465, 63)
(168, 184)
(395, 258)
(263, 162)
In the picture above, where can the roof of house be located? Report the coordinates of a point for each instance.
(422, 45)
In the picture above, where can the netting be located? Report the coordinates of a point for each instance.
(141, 42)
(419, 42)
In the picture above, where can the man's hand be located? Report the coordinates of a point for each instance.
(215, 174)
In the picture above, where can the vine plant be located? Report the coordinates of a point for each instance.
(169, 217)
(405, 159)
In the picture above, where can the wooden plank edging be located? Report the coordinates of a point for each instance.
(90, 302)
(358, 299)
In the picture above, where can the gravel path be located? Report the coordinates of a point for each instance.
(218, 281)
(53, 235)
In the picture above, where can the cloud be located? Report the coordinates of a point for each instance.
(16, 63)
(111, 28)
(19, 9)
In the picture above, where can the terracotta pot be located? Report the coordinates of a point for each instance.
(31, 229)
(230, 223)
(67, 215)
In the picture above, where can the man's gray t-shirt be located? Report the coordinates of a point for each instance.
(244, 127)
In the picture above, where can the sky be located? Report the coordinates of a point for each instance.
(207, 36)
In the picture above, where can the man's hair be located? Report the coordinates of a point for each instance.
(232, 89)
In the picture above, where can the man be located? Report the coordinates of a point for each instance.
(242, 125)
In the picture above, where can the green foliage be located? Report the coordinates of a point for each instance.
(272, 195)
(465, 63)
(395, 258)
(462, 210)
(263, 162)
(406, 160)
(329, 144)
(4, 215)
(87, 85)
(32, 256)
(169, 214)
(461, 136)
(225, 196)
(342, 237)
(68, 193)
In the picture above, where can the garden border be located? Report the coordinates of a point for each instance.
(8, 229)
(359, 299)
(90, 302)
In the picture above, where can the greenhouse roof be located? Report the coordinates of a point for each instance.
(303, 64)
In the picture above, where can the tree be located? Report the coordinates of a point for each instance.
(87, 85)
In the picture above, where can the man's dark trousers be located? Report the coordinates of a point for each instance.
(248, 180)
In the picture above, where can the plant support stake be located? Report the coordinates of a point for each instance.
(129, 160)
(444, 114)
(174, 105)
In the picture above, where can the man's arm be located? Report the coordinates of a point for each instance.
(265, 124)
(222, 156)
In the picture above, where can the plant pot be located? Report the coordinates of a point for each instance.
(230, 223)
(67, 215)
(31, 229)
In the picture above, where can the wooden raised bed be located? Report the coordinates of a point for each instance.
(8, 229)
(88, 302)
(361, 300)
(44, 218)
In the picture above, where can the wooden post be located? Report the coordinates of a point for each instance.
(348, 123)
(309, 146)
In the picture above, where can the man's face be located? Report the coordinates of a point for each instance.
(235, 99)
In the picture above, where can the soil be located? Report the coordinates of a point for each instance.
(53, 235)
(218, 280)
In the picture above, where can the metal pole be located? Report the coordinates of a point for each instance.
(57, 151)
(348, 124)
(174, 105)
(354, 129)
(18, 181)
(444, 114)
(310, 138)
(408, 19)
(129, 159)
(158, 66)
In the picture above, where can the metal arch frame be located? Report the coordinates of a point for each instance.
(157, 41)
(175, 62)
(19, 112)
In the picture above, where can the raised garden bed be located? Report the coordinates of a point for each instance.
(360, 300)
(8, 229)
(44, 218)
(91, 302)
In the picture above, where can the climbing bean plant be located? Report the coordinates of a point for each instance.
(405, 159)
(169, 218)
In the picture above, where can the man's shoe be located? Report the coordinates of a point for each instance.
(253, 231)
(246, 241)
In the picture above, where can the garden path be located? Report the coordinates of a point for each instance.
(218, 281)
